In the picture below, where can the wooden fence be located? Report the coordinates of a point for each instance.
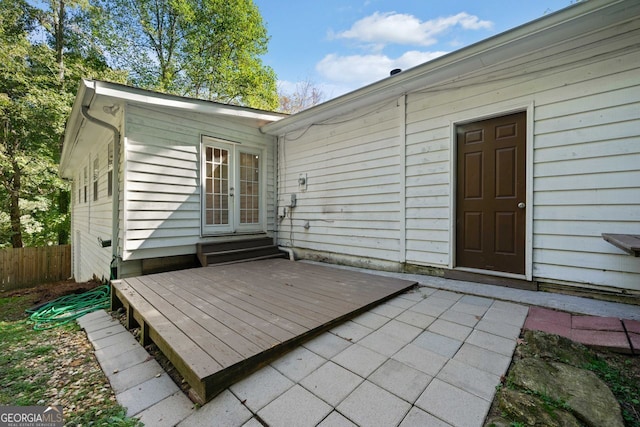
(26, 267)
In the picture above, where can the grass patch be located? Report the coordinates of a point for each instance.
(53, 367)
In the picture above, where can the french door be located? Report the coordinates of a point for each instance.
(232, 188)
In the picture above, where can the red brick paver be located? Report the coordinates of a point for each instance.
(611, 333)
(595, 323)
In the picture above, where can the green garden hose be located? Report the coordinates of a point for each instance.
(68, 308)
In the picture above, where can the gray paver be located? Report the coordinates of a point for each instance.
(401, 302)
(371, 405)
(371, 320)
(114, 350)
(401, 331)
(421, 359)
(402, 380)
(382, 343)
(472, 299)
(484, 359)
(445, 402)
(466, 377)
(147, 394)
(387, 310)
(224, 410)
(460, 318)
(298, 363)
(449, 329)
(121, 338)
(252, 423)
(351, 331)
(416, 319)
(261, 387)
(99, 323)
(137, 374)
(168, 412)
(412, 295)
(476, 310)
(419, 418)
(336, 419)
(437, 343)
(296, 407)
(453, 296)
(90, 317)
(106, 332)
(492, 342)
(433, 306)
(498, 328)
(327, 345)
(122, 361)
(332, 383)
(509, 316)
(360, 360)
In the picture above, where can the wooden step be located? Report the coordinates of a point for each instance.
(237, 251)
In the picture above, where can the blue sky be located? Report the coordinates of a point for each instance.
(341, 45)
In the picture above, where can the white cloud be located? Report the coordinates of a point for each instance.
(380, 29)
(358, 70)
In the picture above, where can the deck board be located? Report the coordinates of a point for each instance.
(219, 323)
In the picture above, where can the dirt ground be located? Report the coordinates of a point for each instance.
(50, 291)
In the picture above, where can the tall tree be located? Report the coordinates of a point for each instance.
(208, 49)
(32, 111)
(35, 100)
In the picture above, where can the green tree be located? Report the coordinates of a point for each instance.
(37, 87)
(209, 49)
(32, 112)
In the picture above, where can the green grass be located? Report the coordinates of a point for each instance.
(29, 359)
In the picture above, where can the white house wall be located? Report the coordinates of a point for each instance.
(584, 174)
(162, 181)
(91, 220)
(351, 205)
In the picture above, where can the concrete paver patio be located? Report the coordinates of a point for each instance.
(428, 357)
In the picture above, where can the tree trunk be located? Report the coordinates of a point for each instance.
(14, 210)
(63, 210)
(59, 36)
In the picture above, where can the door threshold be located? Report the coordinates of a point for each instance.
(489, 279)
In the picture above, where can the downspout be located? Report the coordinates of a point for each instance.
(115, 203)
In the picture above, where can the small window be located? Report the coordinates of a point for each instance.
(95, 179)
(110, 169)
(84, 183)
(79, 185)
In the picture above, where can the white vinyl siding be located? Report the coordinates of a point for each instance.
(162, 181)
(351, 204)
(586, 162)
(91, 220)
(582, 98)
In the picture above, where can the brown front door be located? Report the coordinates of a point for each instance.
(490, 201)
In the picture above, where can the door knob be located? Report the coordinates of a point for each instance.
(521, 205)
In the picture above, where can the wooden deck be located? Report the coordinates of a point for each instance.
(217, 324)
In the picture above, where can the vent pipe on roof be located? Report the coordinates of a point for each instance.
(395, 71)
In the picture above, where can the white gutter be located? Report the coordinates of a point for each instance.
(569, 23)
(115, 198)
(147, 97)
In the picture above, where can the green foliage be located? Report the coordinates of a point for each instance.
(35, 101)
(208, 49)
